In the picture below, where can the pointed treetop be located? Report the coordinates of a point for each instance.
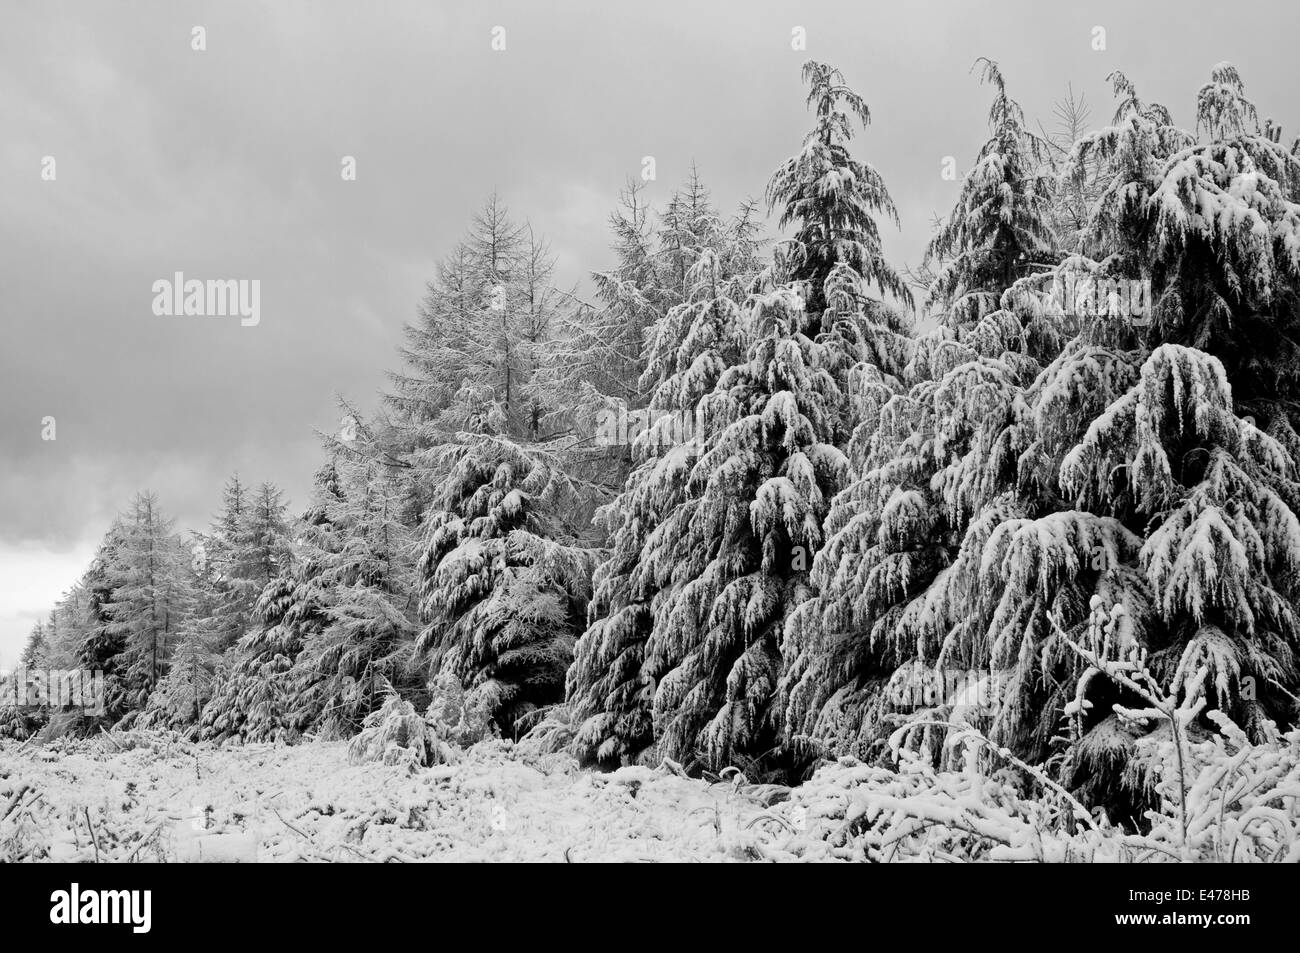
(1222, 108)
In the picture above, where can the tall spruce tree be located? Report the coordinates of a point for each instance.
(929, 452)
(723, 568)
(1190, 452)
(689, 349)
(36, 650)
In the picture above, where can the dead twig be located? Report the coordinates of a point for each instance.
(94, 840)
(148, 837)
(290, 826)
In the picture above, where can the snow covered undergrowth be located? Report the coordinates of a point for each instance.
(144, 796)
(170, 800)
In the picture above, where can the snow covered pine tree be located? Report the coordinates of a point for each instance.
(688, 349)
(895, 579)
(729, 561)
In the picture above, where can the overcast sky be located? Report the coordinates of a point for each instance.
(225, 163)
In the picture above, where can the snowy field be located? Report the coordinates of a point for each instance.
(146, 797)
(167, 801)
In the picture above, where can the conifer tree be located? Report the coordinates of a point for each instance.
(224, 562)
(244, 551)
(602, 346)
(101, 648)
(149, 598)
(929, 454)
(190, 683)
(36, 650)
(504, 579)
(267, 690)
(1122, 491)
(434, 356)
(1000, 228)
(689, 350)
(723, 568)
(1191, 453)
(832, 198)
(478, 355)
(361, 646)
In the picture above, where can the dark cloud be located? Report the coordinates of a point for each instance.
(225, 164)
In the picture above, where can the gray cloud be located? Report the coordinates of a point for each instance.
(225, 164)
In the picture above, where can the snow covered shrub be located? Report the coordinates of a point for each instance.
(396, 734)
(1210, 792)
(1238, 801)
(17, 723)
(550, 730)
(1219, 795)
(1222, 798)
(910, 811)
(459, 717)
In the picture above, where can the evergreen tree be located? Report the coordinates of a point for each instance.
(601, 347)
(504, 581)
(244, 551)
(689, 350)
(362, 603)
(1119, 498)
(36, 650)
(434, 356)
(1000, 228)
(1190, 454)
(929, 454)
(224, 562)
(149, 598)
(832, 198)
(602, 355)
(265, 692)
(190, 683)
(477, 358)
(722, 569)
(67, 627)
(101, 649)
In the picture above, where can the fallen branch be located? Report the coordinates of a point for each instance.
(13, 805)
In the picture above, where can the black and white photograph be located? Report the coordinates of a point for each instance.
(661, 432)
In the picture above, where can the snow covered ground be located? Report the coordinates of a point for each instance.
(169, 800)
(140, 796)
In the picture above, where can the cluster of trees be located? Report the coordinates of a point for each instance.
(155, 612)
(890, 475)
